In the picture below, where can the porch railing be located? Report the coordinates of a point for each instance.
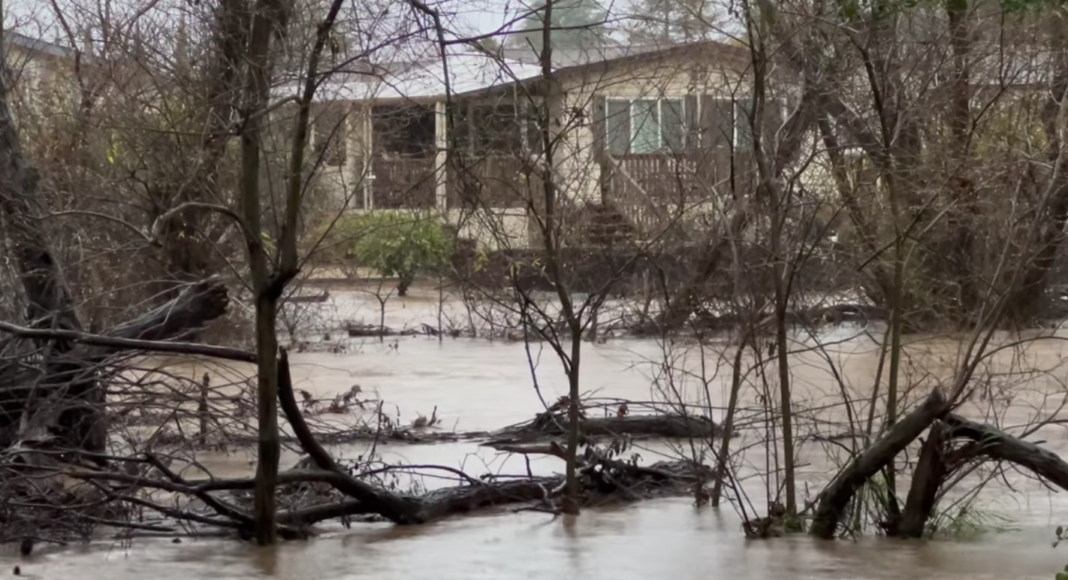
(651, 189)
(497, 181)
(403, 182)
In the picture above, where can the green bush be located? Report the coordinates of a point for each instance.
(394, 244)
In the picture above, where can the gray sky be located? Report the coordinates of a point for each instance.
(34, 17)
(479, 16)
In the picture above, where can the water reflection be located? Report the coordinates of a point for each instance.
(661, 539)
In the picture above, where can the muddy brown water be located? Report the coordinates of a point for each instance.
(480, 385)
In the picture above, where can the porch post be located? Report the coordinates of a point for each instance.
(441, 144)
(368, 132)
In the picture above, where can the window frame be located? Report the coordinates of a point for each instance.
(680, 100)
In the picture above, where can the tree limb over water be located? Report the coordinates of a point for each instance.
(937, 463)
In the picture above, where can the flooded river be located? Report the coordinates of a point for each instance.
(482, 385)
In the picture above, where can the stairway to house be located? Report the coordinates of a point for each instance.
(606, 226)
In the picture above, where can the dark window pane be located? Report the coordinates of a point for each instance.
(497, 129)
(742, 111)
(774, 117)
(672, 126)
(645, 116)
(717, 122)
(403, 130)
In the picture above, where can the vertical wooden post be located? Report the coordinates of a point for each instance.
(441, 144)
(368, 182)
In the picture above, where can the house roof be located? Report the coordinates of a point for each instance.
(426, 79)
(37, 45)
(423, 78)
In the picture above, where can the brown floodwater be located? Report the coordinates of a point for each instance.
(481, 385)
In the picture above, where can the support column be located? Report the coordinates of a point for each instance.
(441, 145)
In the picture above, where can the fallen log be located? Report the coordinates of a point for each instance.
(308, 299)
(662, 425)
(179, 318)
(375, 331)
(344, 436)
(831, 503)
(397, 509)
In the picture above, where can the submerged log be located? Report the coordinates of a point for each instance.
(833, 500)
(552, 424)
(308, 299)
(375, 331)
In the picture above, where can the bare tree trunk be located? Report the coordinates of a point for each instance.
(551, 235)
(728, 422)
(928, 476)
(269, 21)
(264, 26)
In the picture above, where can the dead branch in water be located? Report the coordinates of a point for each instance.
(125, 489)
(409, 510)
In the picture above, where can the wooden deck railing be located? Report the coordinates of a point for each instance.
(498, 181)
(650, 190)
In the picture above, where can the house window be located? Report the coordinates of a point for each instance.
(725, 122)
(404, 130)
(498, 129)
(644, 125)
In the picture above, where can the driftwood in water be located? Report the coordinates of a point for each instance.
(934, 465)
(553, 424)
(833, 500)
(375, 331)
(810, 317)
(344, 436)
